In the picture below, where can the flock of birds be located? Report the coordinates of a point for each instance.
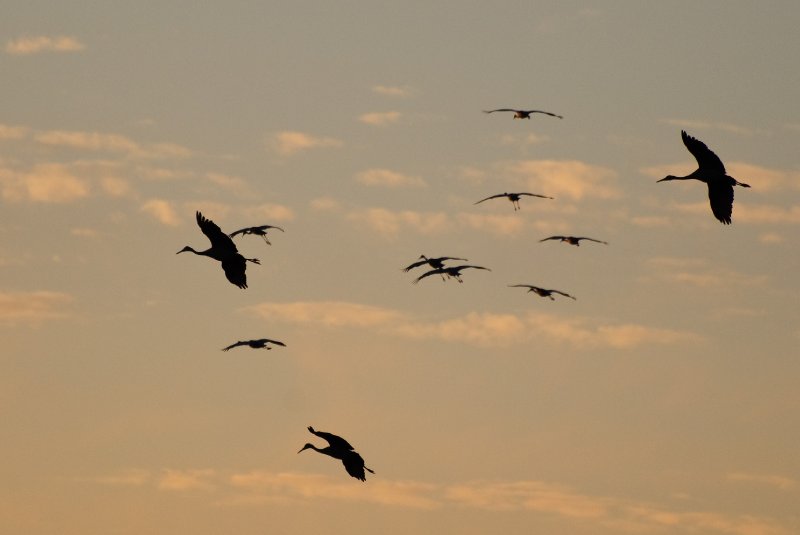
(223, 249)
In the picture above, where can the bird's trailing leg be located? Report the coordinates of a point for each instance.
(253, 260)
(266, 239)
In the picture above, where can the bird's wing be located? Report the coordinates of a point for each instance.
(443, 258)
(240, 231)
(554, 238)
(535, 195)
(428, 274)
(415, 264)
(218, 239)
(522, 286)
(492, 197)
(706, 159)
(234, 267)
(592, 239)
(354, 464)
(474, 267)
(276, 342)
(544, 112)
(720, 195)
(334, 441)
(237, 344)
(562, 293)
(500, 109)
(265, 227)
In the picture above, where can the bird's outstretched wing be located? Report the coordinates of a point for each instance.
(234, 267)
(554, 238)
(237, 344)
(240, 231)
(543, 112)
(275, 342)
(459, 268)
(334, 440)
(535, 195)
(706, 159)
(492, 197)
(562, 293)
(720, 196)
(219, 240)
(523, 286)
(591, 239)
(500, 109)
(415, 264)
(428, 274)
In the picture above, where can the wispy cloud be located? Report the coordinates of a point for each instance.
(291, 142)
(186, 480)
(570, 179)
(32, 307)
(13, 132)
(500, 224)
(382, 118)
(163, 211)
(45, 183)
(394, 90)
(478, 328)
(389, 223)
(771, 480)
(388, 178)
(270, 212)
(42, 43)
(699, 273)
(97, 141)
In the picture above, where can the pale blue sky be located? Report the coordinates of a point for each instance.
(663, 400)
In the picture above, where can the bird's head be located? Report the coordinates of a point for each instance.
(668, 177)
(306, 447)
(187, 248)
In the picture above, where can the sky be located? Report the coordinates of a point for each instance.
(662, 400)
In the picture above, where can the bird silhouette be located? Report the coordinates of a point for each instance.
(255, 344)
(339, 448)
(541, 291)
(257, 231)
(573, 240)
(710, 170)
(435, 263)
(523, 114)
(514, 198)
(223, 250)
(452, 271)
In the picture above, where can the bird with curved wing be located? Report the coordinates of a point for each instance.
(524, 114)
(261, 343)
(260, 230)
(224, 251)
(573, 240)
(451, 272)
(339, 448)
(514, 198)
(543, 292)
(710, 170)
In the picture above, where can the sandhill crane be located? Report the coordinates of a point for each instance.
(523, 114)
(223, 250)
(710, 170)
(541, 291)
(453, 271)
(514, 198)
(339, 448)
(257, 231)
(435, 263)
(573, 240)
(255, 344)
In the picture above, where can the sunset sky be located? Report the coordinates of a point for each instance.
(663, 400)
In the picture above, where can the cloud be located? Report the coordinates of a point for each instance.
(502, 225)
(32, 307)
(186, 480)
(291, 142)
(132, 477)
(13, 132)
(163, 211)
(479, 328)
(271, 212)
(567, 178)
(380, 118)
(325, 204)
(42, 43)
(389, 223)
(46, 183)
(766, 214)
(697, 272)
(97, 141)
(771, 480)
(391, 179)
(393, 91)
(687, 124)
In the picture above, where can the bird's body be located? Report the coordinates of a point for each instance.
(523, 114)
(513, 197)
(452, 271)
(223, 250)
(543, 292)
(435, 263)
(711, 170)
(573, 240)
(255, 344)
(339, 448)
(257, 231)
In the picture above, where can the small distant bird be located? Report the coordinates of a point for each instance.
(453, 271)
(223, 250)
(514, 198)
(711, 170)
(339, 448)
(573, 240)
(435, 263)
(541, 291)
(523, 114)
(258, 231)
(255, 344)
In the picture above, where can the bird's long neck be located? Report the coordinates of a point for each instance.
(189, 248)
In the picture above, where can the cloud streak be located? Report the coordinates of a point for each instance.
(32, 307)
(569, 179)
(24, 46)
(288, 143)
